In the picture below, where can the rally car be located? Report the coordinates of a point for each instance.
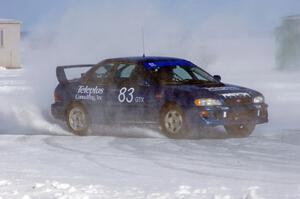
(172, 93)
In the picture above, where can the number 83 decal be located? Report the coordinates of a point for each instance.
(126, 94)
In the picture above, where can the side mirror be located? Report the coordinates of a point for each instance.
(217, 77)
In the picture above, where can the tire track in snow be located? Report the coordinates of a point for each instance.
(50, 141)
(158, 161)
(183, 149)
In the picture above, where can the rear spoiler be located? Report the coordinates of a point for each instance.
(60, 71)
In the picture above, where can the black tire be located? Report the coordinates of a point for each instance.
(240, 130)
(172, 122)
(77, 119)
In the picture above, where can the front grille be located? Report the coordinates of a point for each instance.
(238, 100)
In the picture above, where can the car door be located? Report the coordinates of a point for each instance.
(147, 96)
(95, 91)
(134, 97)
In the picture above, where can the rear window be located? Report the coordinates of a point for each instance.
(75, 73)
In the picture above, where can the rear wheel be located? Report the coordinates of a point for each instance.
(172, 122)
(240, 130)
(78, 120)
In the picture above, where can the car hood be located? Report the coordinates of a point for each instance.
(227, 91)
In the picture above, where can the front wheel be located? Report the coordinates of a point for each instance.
(172, 122)
(240, 130)
(78, 120)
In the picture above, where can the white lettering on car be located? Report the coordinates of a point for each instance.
(90, 90)
(89, 93)
(152, 64)
(221, 89)
(127, 95)
(139, 100)
(122, 95)
(230, 95)
(130, 92)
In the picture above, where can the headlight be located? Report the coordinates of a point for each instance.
(207, 102)
(258, 100)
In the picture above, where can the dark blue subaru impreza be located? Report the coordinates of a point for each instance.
(172, 93)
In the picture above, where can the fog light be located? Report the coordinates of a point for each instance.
(204, 114)
(259, 99)
(207, 102)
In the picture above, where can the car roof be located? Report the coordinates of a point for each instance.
(144, 59)
(153, 61)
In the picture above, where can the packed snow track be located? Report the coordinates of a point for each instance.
(40, 159)
(44, 166)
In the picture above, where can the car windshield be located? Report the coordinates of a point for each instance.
(183, 74)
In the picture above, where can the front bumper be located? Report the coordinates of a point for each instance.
(229, 115)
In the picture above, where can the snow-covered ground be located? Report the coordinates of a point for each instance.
(40, 159)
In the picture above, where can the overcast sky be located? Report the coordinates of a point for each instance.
(259, 14)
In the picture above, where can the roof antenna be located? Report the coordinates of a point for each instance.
(143, 40)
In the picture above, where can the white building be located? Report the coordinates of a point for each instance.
(10, 33)
(288, 43)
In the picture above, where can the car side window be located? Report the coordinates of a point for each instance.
(124, 72)
(141, 77)
(179, 72)
(102, 74)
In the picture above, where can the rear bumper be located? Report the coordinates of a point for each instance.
(58, 110)
(229, 115)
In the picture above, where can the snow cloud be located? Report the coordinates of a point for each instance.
(227, 40)
(87, 32)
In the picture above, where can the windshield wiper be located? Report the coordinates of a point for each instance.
(212, 83)
(201, 82)
(193, 81)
